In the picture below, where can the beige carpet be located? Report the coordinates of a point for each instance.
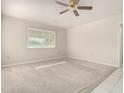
(74, 76)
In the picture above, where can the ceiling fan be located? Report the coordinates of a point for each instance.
(73, 5)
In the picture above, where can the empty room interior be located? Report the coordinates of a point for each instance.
(62, 46)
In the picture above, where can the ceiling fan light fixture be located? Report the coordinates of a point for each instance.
(73, 8)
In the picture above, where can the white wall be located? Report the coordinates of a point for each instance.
(96, 41)
(14, 34)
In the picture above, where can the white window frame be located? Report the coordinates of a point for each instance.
(41, 30)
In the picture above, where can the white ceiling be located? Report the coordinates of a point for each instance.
(47, 11)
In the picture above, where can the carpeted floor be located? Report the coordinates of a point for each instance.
(71, 76)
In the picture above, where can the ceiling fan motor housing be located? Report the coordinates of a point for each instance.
(72, 6)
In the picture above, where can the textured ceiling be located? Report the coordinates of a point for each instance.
(47, 11)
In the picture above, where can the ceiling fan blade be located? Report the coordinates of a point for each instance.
(76, 13)
(62, 3)
(77, 1)
(64, 11)
(85, 7)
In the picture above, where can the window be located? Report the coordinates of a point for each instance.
(38, 38)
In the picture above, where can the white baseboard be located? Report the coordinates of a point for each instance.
(79, 58)
(34, 61)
